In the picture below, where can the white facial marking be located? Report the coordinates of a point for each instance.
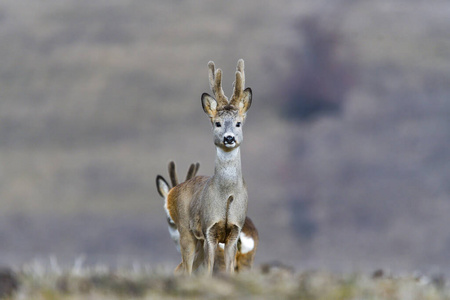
(222, 245)
(247, 243)
(232, 135)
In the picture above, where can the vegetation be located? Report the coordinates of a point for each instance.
(267, 283)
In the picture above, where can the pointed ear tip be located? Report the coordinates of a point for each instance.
(160, 179)
(210, 63)
(204, 95)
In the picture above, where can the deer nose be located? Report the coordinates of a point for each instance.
(229, 139)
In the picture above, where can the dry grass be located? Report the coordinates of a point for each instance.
(38, 282)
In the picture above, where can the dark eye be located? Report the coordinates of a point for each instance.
(238, 124)
(218, 124)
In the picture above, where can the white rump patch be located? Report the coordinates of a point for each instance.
(247, 243)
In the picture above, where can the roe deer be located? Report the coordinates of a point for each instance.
(212, 210)
(248, 239)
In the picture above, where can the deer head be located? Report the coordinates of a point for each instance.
(227, 118)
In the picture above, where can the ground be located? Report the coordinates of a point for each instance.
(267, 281)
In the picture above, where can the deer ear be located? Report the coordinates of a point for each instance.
(209, 105)
(246, 101)
(162, 186)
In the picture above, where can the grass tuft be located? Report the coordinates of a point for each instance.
(40, 282)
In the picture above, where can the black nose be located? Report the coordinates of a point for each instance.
(228, 139)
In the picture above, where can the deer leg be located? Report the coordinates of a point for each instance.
(231, 248)
(199, 255)
(187, 247)
(179, 269)
(210, 247)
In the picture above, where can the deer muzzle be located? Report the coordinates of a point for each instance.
(229, 139)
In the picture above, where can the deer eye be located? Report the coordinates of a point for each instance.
(238, 124)
(218, 124)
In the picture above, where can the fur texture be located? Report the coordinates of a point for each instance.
(201, 207)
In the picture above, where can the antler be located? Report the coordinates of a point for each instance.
(215, 83)
(193, 169)
(238, 84)
(173, 173)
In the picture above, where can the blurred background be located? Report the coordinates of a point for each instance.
(346, 150)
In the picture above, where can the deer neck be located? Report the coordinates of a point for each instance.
(227, 170)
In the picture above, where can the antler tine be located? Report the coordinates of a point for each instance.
(238, 88)
(211, 76)
(215, 83)
(193, 169)
(240, 68)
(190, 172)
(239, 83)
(173, 174)
(197, 166)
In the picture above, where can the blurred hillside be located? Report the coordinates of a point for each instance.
(346, 144)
